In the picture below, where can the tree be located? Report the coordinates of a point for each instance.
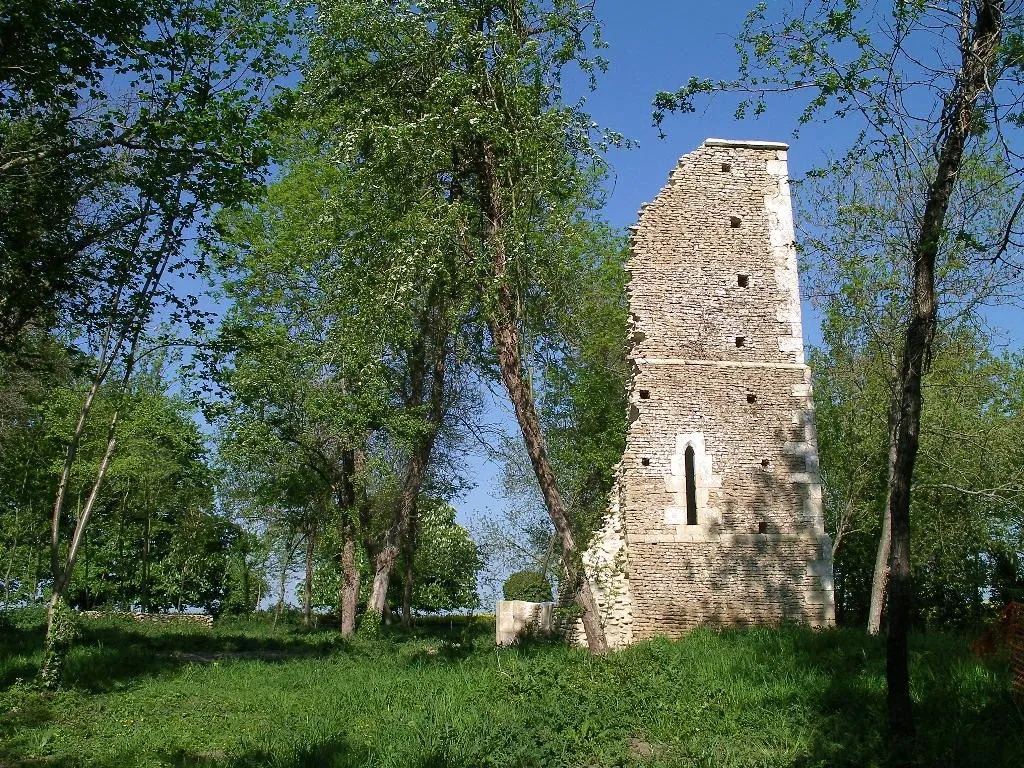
(445, 563)
(858, 270)
(161, 120)
(968, 486)
(154, 541)
(918, 113)
(51, 157)
(462, 103)
(28, 376)
(336, 352)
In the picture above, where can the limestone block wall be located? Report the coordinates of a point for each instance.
(716, 517)
(606, 565)
(516, 618)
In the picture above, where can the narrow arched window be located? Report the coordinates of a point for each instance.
(691, 488)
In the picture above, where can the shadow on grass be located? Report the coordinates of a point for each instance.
(114, 652)
(761, 696)
(963, 716)
(333, 752)
(21, 652)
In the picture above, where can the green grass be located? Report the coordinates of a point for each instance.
(246, 694)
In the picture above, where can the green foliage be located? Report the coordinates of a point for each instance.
(263, 696)
(155, 540)
(135, 119)
(370, 626)
(372, 257)
(968, 484)
(445, 563)
(585, 380)
(527, 585)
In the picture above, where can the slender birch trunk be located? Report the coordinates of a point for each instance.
(880, 576)
(980, 42)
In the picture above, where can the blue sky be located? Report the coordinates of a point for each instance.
(656, 45)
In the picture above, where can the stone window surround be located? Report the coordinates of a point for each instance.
(709, 519)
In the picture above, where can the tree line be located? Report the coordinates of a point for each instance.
(428, 229)
(398, 205)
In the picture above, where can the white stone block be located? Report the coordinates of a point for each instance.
(515, 618)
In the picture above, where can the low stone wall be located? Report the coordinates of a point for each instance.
(516, 618)
(199, 619)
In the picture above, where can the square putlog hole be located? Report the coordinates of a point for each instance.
(645, 394)
(735, 222)
(762, 527)
(751, 397)
(726, 167)
(645, 462)
(741, 341)
(743, 281)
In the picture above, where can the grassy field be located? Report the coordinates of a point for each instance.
(246, 694)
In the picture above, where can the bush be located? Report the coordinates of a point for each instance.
(527, 585)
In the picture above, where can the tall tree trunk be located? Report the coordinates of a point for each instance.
(145, 561)
(286, 561)
(409, 557)
(350, 587)
(505, 336)
(980, 41)
(407, 593)
(307, 586)
(348, 572)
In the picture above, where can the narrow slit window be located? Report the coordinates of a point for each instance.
(691, 488)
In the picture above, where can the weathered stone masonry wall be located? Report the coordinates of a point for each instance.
(718, 367)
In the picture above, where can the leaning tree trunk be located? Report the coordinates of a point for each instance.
(979, 45)
(388, 554)
(880, 577)
(505, 336)
(56, 645)
(432, 344)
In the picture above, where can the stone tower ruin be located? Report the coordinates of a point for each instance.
(716, 513)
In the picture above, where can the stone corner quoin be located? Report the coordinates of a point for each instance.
(715, 517)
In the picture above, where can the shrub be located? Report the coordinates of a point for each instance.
(527, 585)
